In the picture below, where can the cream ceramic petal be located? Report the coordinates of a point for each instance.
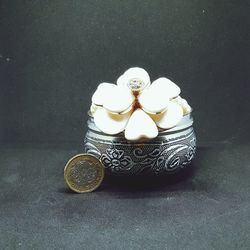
(121, 81)
(167, 86)
(110, 123)
(154, 100)
(170, 118)
(186, 108)
(119, 100)
(102, 93)
(134, 73)
(184, 104)
(93, 108)
(140, 126)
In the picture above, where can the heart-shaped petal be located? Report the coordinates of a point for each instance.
(93, 108)
(184, 104)
(167, 86)
(120, 99)
(153, 100)
(140, 126)
(134, 76)
(110, 123)
(169, 118)
(102, 93)
(115, 99)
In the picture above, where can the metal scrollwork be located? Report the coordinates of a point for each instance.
(167, 156)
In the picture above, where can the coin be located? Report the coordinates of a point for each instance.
(83, 173)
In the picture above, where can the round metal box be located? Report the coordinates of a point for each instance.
(171, 151)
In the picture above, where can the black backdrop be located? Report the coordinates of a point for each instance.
(54, 54)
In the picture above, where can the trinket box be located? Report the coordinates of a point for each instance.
(139, 127)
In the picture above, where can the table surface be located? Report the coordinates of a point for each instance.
(207, 208)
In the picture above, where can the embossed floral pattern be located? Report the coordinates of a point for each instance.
(168, 156)
(115, 160)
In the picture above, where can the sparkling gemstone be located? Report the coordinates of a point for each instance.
(136, 84)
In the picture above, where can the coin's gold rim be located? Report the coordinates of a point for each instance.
(68, 164)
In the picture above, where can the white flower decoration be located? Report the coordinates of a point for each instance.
(138, 106)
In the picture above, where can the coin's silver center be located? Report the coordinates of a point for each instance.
(83, 173)
(136, 84)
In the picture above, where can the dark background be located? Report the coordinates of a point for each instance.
(53, 54)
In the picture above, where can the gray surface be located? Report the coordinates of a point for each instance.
(209, 208)
(53, 53)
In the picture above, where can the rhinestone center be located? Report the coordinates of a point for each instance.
(136, 84)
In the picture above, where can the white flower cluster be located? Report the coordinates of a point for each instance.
(137, 106)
